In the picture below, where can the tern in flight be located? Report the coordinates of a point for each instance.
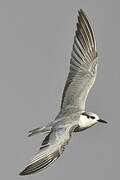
(72, 116)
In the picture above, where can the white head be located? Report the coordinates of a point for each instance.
(88, 119)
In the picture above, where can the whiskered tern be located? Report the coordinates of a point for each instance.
(72, 116)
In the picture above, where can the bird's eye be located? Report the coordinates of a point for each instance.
(92, 117)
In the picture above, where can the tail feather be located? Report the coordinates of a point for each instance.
(39, 130)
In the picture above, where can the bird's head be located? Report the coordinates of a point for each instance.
(92, 118)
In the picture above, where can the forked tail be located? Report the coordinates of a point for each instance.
(43, 129)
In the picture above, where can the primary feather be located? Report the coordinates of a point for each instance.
(83, 66)
(50, 150)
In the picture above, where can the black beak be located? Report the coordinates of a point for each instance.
(102, 121)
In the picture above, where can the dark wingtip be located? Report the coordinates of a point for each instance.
(81, 11)
(23, 173)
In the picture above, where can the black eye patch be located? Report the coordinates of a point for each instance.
(85, 114)
(88, 116)
(92, 117)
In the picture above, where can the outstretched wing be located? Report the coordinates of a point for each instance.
(51, 148)
(83, 66)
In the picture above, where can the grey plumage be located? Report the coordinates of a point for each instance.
(83, 66)
(82, 74)
(51, 148)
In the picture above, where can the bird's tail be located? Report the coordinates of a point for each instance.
(43, 129)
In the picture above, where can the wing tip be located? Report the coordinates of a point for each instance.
(23, 173)
(82, 12)
(39, 166)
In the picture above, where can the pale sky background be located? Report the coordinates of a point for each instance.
(36, 39)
